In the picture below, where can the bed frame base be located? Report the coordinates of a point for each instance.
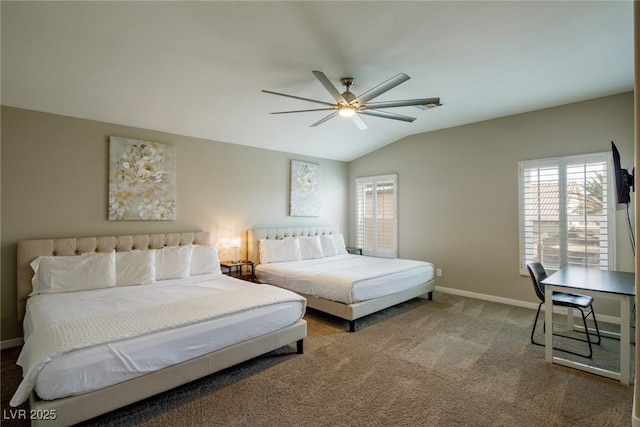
(352, 323)
(352, 312)
(74, 409)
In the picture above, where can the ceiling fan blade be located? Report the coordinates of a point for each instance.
(330, 87)
(302, 111)
(424, 102)
(387, 115)
(381, 88)
(321, 121)
(298, 97)
(427, 106)
(358, 122)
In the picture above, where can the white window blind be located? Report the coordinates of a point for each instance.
(376, 219)
(567, 212)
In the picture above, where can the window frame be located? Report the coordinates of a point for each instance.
(562, 163)
(359, 228)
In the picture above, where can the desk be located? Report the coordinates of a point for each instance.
(602, 283)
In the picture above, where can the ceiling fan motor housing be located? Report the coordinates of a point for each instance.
(348, 82)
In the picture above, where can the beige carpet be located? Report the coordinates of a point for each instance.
(453, 361)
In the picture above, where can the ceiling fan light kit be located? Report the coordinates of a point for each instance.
(349, 105)
(346, 111)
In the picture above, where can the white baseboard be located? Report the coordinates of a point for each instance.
(518, 303)
(16, 342)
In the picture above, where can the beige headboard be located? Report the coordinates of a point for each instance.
(254, 236)
(28, 250)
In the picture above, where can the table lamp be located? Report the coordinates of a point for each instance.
(235, 244)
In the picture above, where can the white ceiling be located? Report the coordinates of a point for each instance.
(198, 68)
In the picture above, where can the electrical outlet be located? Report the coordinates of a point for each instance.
(439, 272)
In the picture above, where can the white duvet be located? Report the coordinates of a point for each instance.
(119, 345)
(346, 278)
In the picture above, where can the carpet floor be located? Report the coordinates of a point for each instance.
(453, 361)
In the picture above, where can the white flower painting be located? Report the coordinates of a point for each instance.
(141, 180)
(306, 196)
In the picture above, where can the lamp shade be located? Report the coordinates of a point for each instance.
(235, 242)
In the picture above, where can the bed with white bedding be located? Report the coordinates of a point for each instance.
(113, 320)
(314, 263)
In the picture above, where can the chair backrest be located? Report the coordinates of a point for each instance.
(538, 274)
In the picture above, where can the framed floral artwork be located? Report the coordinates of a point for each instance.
(141, 180)
(305, 197)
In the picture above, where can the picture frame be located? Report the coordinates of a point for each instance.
(305, 198)
(141, 180)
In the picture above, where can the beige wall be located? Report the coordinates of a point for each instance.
(458, 189)
(54, 184)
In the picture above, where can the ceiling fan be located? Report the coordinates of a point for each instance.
(349, 105)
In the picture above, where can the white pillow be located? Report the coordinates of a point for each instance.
(310, 247)
(341, 247)
(135, 267)
(204, 259)
(287, 249)
(173, 262)
(328, 245)
(53, 274)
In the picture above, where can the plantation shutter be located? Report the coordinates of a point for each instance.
(566, 212)
(540, 187)
(376, 219)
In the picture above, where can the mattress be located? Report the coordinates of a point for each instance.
(75, 372)
(346, 278)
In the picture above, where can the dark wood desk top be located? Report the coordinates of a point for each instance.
(591, 279)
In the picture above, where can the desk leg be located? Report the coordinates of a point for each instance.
(625, 339)
(548, 321)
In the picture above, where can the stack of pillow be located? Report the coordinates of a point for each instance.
(53, 274)
(301, 247)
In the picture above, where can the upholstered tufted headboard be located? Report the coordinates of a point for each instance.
(28, 250)
(254, 236)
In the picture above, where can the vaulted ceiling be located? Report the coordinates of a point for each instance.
(198, 68)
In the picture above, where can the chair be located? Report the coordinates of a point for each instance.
(577, 301)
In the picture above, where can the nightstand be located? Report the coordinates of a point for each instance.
(354, 251)
(234, 269)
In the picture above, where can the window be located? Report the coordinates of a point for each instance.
(567, 212)
(376, 219)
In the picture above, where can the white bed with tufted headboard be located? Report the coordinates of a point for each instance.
(101, 333)
(305, 260)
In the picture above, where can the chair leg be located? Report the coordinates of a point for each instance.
(535, 322)
(588, 341)
(586, 331)
(595, 322)
(584, 321)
